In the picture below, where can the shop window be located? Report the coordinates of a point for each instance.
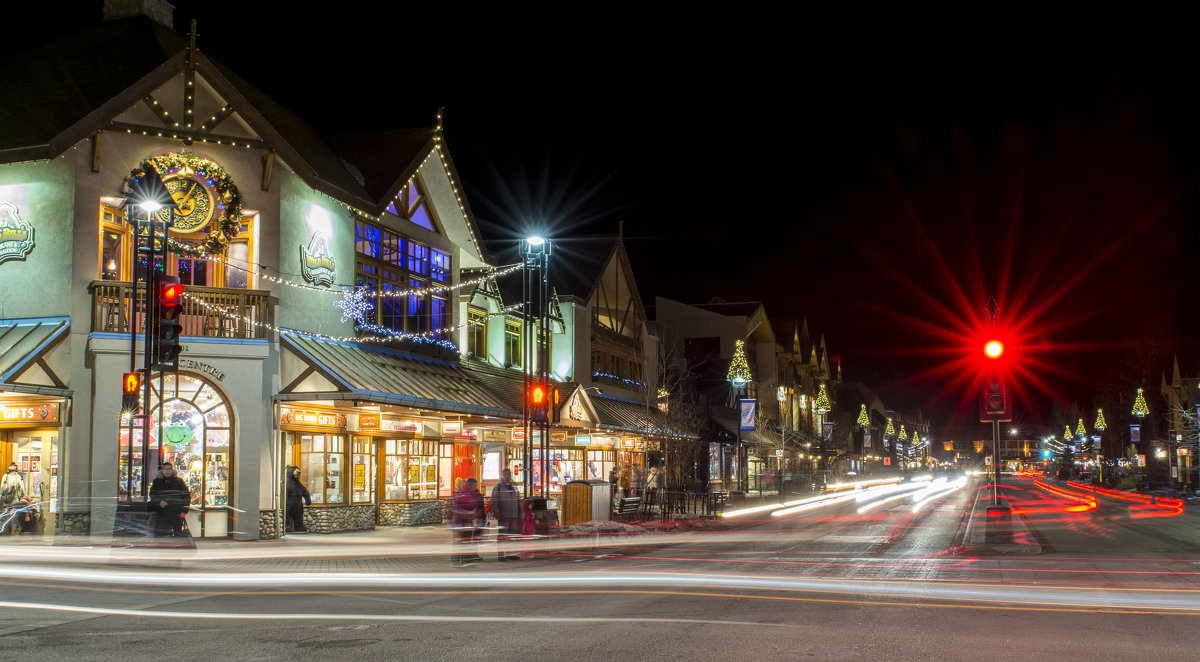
(439, 266)
(565, 465)
(117, 263)
(362, 470)
(410, 469)
(389, 263)
(477, 332)
(321, 458)
(600, 464)
(196, 436)
(440, 317)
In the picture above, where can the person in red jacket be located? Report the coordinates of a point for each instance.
(466, 516)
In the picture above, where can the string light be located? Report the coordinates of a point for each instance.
(354, 305)
(890, 430)
(384, 335)
(1080, 431)
(823, 399)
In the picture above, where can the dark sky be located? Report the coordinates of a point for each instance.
(880, 181)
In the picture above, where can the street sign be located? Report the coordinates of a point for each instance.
(1141, 460)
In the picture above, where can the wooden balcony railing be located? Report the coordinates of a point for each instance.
(211, 312)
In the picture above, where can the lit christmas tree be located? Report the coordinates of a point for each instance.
(1067, 433)
(1100, 424)
(739, 368)
(1080, 431)
(823, 400)
(890, 431)
(863, 419)
(1140, 408)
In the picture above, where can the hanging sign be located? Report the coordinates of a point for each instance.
(746, 412)
(16, 234)
(494, 435)
(559, 437)
(583, 440)
(38, 413)
(316, 262)
(368, 421)
(451, 428)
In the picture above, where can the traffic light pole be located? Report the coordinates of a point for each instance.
(995, 462)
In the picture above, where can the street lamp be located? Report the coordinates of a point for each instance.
(536, 253)
(739, 377)
(823, 406)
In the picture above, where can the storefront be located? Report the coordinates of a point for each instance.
(31, 432)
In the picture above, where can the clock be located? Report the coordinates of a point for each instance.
(194, 205)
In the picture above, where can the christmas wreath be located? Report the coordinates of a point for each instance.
(227, 197)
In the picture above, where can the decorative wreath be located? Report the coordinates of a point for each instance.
(228, 199)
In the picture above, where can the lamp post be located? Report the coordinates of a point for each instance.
(823, 406)
(535, 283)
(739, 377)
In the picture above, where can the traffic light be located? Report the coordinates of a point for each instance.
(994, 404)
(553, 399)
(170, 306)
(994, 349)
(131, 392)
(538, 402)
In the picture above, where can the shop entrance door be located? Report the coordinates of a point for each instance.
(36, 455)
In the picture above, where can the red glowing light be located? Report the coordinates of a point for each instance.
(994, 349)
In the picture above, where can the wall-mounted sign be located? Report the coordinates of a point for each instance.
(16, 234)
(629, 442)
(21, 414)
(583, 440)
(575, 409)
(401, 426)
(451, 428)
(188, 364)
(494, 435)
(558, 437)
(368, 421)
(312, 419)
(518, 434)
(316, 262)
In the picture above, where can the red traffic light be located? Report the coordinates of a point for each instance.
(994, 349)
(170, 290)
(537, 395)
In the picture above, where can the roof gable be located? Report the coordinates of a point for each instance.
(614, 300)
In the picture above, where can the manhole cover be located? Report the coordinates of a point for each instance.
(355, 626)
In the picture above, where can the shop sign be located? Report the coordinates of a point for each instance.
(313, 419)
(575, 408)
(604, 442)
(368, 421)
(583, 440)
(38, 413)
(518, 434)
(494, 435)
(316, 262)
(451, 428)
(188, 364)
(16, 234)
(399, 426)
(558, 437)
(629, 442)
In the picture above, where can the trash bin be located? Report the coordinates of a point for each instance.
(999, 525)
(586, 501)
(545, 516)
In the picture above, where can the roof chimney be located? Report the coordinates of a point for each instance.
(159, 11)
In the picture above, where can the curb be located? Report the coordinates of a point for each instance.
(974, 538)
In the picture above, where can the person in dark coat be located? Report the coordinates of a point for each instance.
(506, 507)
(169, 496)
(297, 498)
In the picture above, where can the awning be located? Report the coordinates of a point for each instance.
(23, 344)
(386, 376)
(632, 416)
(748, 436)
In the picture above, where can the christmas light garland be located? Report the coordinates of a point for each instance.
(227, 197)
(385, 335)
(863, 419)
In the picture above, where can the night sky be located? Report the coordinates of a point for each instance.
(880, 181)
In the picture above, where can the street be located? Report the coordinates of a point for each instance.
(827, 584)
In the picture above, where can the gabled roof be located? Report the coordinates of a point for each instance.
(68, 89)
(23, 343)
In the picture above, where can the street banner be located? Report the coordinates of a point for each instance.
(1135, 433)
(866, 440)
(746, 413)
(827, 432)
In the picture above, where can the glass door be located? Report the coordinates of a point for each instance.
(36, 455)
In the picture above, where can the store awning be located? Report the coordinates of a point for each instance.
(355, 371)
(24, 344)
(632, 416)
(748, 436)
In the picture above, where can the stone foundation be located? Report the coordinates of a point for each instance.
(411, 513)
(74, 524)
(332, 519)
(267, 520)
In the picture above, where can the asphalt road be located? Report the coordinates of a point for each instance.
(825, 584)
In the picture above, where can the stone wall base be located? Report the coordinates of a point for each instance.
(333, 519)
(411, 513)
(74, 524)
(267, 522)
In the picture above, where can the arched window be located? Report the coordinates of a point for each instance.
(196, 435)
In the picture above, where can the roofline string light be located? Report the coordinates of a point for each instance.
(427, 336)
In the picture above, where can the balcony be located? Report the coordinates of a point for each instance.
(208, 312)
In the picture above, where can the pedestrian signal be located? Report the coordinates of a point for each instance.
(538, 402)
(131, 392)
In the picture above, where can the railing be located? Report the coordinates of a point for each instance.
(210, 312)
(671, 504)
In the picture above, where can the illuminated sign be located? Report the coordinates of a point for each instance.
(38, 413)
(629, 442)
(316, 262)
(368, 421)
(559, 437)
(313, 419)
(16, 234)
(451, 428)
(583, 440)
(494, 435)
(400, 426)
(360, 477)
(518, 434)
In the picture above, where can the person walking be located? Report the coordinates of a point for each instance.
(169, 495)
(653, 483)
(466, 512)
(625, 484)
(506, 508)
(12, 490)
(528, 526)
(297, 498)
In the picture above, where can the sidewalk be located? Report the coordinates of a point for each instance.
(1008, 539)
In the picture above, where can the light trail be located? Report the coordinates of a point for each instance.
(952, 487)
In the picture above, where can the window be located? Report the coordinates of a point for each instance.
(410, 469)
(388, 262)
(599, 464)
(410, 204)
(477, 332)
(322, 462)
(362, 470)
(196, 436)
(512, 342)
(230, 271)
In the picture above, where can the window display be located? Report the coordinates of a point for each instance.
(320, 458)
(362, 465)
(410, 469)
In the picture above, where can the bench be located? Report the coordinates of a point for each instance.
(628, 507)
